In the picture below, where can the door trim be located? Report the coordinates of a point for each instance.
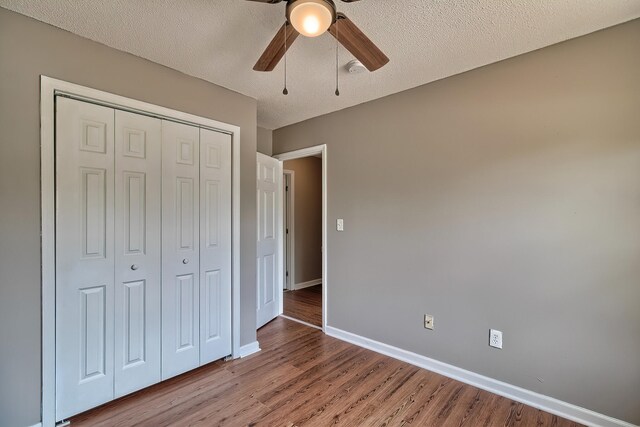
(49, 88)
(291, 253)
(308, 152)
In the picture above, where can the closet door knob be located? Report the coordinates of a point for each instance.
(185, 261)
(134, 267)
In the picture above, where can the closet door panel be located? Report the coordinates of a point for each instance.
(138, 147)
(180, 248)
(84, 256)
(215, 245)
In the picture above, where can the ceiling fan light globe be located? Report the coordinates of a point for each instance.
(311, 18)
(311, 24)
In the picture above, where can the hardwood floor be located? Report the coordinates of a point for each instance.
(305, 378)
(304, 304)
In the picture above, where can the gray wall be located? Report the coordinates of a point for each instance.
(29, 48)
(265, 141)
(308, 217)
(507, 197)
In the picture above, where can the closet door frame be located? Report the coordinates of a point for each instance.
(49, 89)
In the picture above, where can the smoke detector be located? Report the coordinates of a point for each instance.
(355, 67)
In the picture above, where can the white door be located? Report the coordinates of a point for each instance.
(85, 261)
(138, 147)
(180, 248)
(215, 245)
(269, 267)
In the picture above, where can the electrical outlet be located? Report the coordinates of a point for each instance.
(428, 321)
(495, 338)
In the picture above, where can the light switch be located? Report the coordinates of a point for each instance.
(340, 225)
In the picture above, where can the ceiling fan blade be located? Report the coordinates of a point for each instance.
(357, 43)
(275, 51)
(270, 1)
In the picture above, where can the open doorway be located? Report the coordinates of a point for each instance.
(302, 191)
(304, 235)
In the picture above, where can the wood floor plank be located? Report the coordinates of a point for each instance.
(238, 412)
(401, 399)
(346, 411)
(305, 411)
(305, 378)
(135, 408)
(317, 375)
(427, 401)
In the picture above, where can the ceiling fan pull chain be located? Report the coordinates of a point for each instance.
(337, 59)
(285, 91)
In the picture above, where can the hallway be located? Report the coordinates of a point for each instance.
(304, 304)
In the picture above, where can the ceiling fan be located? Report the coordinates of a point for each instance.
(312, 18)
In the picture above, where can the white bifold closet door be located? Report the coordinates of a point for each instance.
(180, 247)
(143, 252)
(196, 298)
(137, 242)
(215, 245)
(85, 256)
(107, 254)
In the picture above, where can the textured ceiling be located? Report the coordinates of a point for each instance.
(426, 40)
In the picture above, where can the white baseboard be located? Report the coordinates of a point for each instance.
(531, 398)
(37, 425)
(249, 349)
(308, 284)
